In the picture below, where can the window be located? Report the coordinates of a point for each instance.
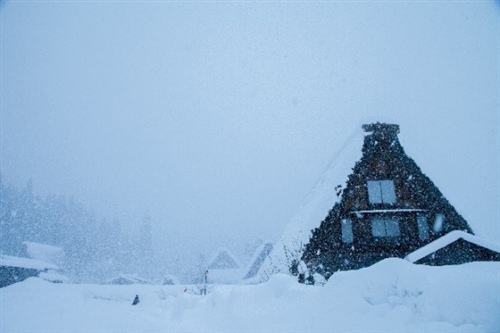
(381, 191)
(347, 235)
(438, 223)
(385, 227)
(423, 228)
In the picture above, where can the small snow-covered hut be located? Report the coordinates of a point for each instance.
(170, 279)
(126, 279)
(50, 254)
(224, 268)
(456, 247)
(34, 260)
(16, 269)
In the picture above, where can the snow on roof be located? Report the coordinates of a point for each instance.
(28, 263)
(53, 277)
(128, 279)
(447, 240)
(44, 252)
(316, 206)
(224, 260)
(169, 279)
(258, 259)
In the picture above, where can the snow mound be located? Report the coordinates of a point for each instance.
(392, 295)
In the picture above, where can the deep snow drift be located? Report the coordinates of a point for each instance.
(392, 295)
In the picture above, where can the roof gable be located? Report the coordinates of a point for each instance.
(224, 260)
(258, 259)
(445, 241)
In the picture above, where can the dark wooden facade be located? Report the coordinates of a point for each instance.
(10, 275)
(388, 208)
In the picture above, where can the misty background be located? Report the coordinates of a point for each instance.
(213, 120)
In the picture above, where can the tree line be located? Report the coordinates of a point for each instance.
(96, 249)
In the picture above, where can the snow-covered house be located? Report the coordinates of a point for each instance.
(386, 207)
(16, 269)
(50, 254)
(224, 268)
(260, 255)
(125, 279)
(258, 259)
(170, 280)
(34, 260)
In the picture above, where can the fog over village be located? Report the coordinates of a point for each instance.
(143, 139)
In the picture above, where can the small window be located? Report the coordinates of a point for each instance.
(347, 235)
(423, 228)
(439, 223)
(385, 227)
(381, 191)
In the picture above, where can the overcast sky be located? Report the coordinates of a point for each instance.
(218, 118)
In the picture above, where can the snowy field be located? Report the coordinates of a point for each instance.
(391, 296)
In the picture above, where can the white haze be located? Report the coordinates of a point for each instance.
(218, 117)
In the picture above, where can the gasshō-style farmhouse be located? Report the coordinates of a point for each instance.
(389, 208)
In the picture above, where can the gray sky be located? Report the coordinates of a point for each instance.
(219, 117)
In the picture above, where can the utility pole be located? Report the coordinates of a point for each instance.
(205, 281)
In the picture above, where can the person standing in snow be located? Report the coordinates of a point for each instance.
(136, 300)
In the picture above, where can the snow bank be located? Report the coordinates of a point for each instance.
(393, 295)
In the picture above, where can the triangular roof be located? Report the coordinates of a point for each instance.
(224, 260)
(258, 259)
(446, 240)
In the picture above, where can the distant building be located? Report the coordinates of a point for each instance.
(169, 280)
(50, 254)
(224, 268)
(35, 260)
(125, 279)
(17, 269)
(258, 259)
(387, 208)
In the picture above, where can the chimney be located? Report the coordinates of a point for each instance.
(381, 134)
(382, 129)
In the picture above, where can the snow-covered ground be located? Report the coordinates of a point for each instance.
(391, 296)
